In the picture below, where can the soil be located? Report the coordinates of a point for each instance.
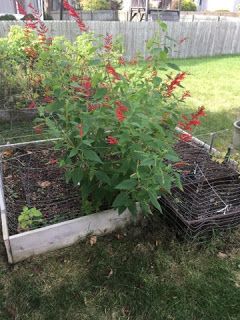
(32, 178)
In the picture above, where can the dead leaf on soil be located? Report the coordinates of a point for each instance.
(93, 240)
(7, 153)
(222, 255)
(44, 184)
(110, 273)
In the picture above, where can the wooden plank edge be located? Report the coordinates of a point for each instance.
(206, 146)
(64, 234)
(5, 232)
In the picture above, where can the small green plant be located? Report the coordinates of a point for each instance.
(188, 5)
(29, 218)
(7, 17)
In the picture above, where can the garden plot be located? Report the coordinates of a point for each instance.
(30, 178)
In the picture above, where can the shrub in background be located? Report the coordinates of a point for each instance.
(95, 5)
(8, 17)
(188, 5)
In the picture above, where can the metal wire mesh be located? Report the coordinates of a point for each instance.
(210, 199)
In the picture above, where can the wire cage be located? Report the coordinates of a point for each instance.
(210, 198)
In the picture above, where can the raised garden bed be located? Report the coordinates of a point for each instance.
(31, 178)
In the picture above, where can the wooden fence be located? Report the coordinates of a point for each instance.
(203, 38)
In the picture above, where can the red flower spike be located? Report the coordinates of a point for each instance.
(72, 12)
(121, 108)
(108, 42)
(20, 8)
(80, 128)
(175, 82)
(201, 112)
(193, 121)
(112, 140)
(113, 72)
(185, 95)
(42, 30)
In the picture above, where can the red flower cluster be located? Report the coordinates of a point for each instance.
(52, 161)
(48, 99)
(108, 42)
(72, 12)
(175, 82)
(185, 95)
(191, 122)
(121, 108)
(113, 72)
(32, 105)
(87, 86)
(42, 30)
(38, 129)
(31, 52)
(92, 106)
(112, 140)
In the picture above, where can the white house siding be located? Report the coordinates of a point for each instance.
(7, 6)
(213, 5)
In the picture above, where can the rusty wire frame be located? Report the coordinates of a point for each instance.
(210, 198)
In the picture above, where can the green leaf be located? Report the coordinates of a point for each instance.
(157, 81)
(73, 152)
(100, 93)
(147, 162)
(103, 177)
(172, 157)
(162, 25)
(153, 200)
(173, 66)
(77, 175)
(92, 155)
(121, 200)
(126, 184)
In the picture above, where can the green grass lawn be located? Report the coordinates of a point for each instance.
(146, 273)
(214, 83)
